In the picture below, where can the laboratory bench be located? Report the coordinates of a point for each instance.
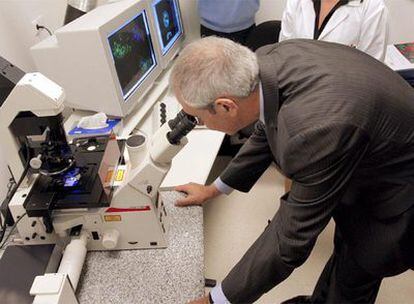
(171, 275)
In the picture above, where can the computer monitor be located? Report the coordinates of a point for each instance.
(133, 53)
(105, 60)
(166, 17)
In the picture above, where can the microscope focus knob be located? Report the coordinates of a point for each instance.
(110, 238)
(36, 162)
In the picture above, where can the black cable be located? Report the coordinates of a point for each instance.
(3, 228)
(11, 183)
(42, 27)
(9, 186)
(11, 230)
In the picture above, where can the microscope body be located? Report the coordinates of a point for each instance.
(67, 197)
(138, 198)
(73, 191)
(34, 96)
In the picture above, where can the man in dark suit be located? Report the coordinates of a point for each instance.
(337, 122)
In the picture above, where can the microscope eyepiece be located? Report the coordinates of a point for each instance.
(173, 122)
(180, 126)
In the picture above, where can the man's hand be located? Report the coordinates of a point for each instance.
(203, 300)
(196, 194)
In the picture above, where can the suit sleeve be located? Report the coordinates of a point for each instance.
(374, 30)
(249, 164)
(320, 162)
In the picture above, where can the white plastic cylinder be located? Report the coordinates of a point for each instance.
(73, 260)
(110, 239)
(137, 148)
(161, 150)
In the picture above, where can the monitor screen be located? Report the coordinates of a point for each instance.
(168, 22)
(133, 53)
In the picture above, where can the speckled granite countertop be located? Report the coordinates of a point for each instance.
(171, 275)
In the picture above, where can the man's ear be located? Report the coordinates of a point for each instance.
(226, 105)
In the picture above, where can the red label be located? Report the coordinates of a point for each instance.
(138, 209)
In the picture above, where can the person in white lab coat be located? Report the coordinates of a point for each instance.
(362, 24)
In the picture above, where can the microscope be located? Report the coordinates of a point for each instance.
(66, 194)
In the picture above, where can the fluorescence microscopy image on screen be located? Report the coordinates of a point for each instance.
(168, 22)
(133, 53)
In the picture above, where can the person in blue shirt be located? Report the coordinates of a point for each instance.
(232, 19)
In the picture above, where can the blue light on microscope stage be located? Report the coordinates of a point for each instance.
(72, 178)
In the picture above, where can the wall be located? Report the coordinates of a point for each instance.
(190, 19)
(18, 33)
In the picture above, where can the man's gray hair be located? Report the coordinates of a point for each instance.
(211, 68)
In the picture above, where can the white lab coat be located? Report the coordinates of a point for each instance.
(361, 25)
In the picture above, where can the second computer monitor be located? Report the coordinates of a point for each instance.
(170, 31)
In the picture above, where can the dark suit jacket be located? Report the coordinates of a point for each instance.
(340, 124)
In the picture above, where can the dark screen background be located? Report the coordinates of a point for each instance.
(133, 53)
